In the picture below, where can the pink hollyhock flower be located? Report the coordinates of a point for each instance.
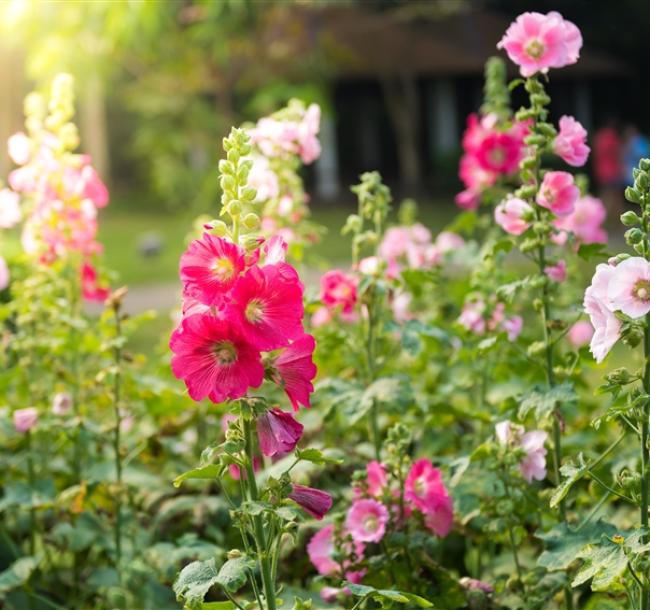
(20, 148)
(422, 483)
(263, 179)
(600, 283)
(581, 333)
(629, 287)
(471, 584)
(513, 215)
(376, 478)
(90, 287)
(468, 199)
(607, 327)
(570, 144)
(585, 222)
(314, 501)
(401, 306)
(533, 466)
(93, 187)
(294, 370)
(448, 241)
(23, 179)
(213, 359)
(275, 250)
(267, 304)
(61, 403)
(278, 432)
(338, 290)
(473, 175)
(472, 317)
(371, 265)
(321, 317)
(439, 517)
(321, 550)
(308, 144)
(500, 152)
(25, 419)
(209, 268)
(513, 327)
(537, 42)
(557, 272)
(394, 243)
(4, 274)
(558, 193)
(366, 520)
(10, 213)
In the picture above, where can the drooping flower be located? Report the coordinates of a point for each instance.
(338, 290)
(267, 305)
(278, 432)
(558, 193)
(580, 333)
(90, 287)
(61, 403)
(537, 42)
(213, 359)
(585, 222)
(25, 419)
(513, 215)
(314, 501)
(209, 268)
(4, 274)
(570, 144)
(607, 327)
(321, 551)
(10, 214)
(557, 272)
(629, 287)
(294, 370)
(533, 464)
(422, 483)
(439, 517)
(366, 520)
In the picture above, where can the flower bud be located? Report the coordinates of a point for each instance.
(633, 236)
(234, 208)
(540, 99)
(233, 156)
(218, 228)
(248, 194)
(620, 376)
(234, 554)
(642, 181)
(251, 221)
(535, 140)
(632, 195)
(629, 219)
(644, 164)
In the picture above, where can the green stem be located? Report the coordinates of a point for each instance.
(258, 525)
(511, 537)
(645, 457)
(32, 481)
(117, 383)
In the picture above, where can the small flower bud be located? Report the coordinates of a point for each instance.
(234, 208)
(629, 219)
(535, 140)
(234, 554)
(218, 228)
(251, 221)
(620, 375)
(644, 164)
(248, 194)
(233, 156)
(540, 99)
(632, 195)
(642, 181)
(633, 236)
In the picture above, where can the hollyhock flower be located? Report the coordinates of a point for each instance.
(278, 432)
(422, 483)
(472, 317)
(471, 584)
(263, 179)
(267, 304)
(468, 199)
(10, 214)
(500, 152)
(607, 327)
(338, 290)
(213, 359)
(599, 287)
(537, 42)
(366, 520)
(513, 327)
(558, 193)
(370, 265)
(401, 304)
(513, 215)
(533, 466)
(580, 333)
(308, 145)
(570, 144)
(439, 516)
(393, 245)
(275, 250)
(93, 187)
(629, 287)
(4, 274)
(209, 268)
(585, 222)
(448, 241)
(90, 287)
(321, 317)
(25, 419)
(321, 550)
(61, 403)
(314, 501)
(557, 272)
(376, 478)
(20, 148)
(294, 370)
(473, 175)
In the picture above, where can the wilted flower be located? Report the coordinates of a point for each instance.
(314, 501)
(278, 432)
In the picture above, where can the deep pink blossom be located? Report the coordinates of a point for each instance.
(294, 370)
(213, 359)
(557, 272)
(423, 482)
(321, 550)
(513, 215)
(558, 193)
(25, 419)
(500, 152)
(580, 333)
(366, 520)
(278, 432)
(338, 290)
(209, 268)
(376, 478)
(314, 501)
(439, 517)
(90, 286)
(629, 287)
(570, 144)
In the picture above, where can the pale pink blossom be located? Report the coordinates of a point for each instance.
(513, 327)
(472, 317)
(61, 403)
(570, 144)
(557, 272)
(469, 199)
(25, 419)
(580, 333)
(366, 520)
(513, 215)
(401, 304)
(263, 179)
(4, 274)
(533, 464)
(558, 193)
(629, 287)
(597, 304)
(20, 148)
(371, 265)
(10, 214)
(448, 241)
(321, 317)
(376, 478)
(585, 222)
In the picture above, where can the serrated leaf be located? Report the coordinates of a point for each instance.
(542, 402)
(605, 563)
(572, 474)
(210, 471)
(194, 581)
(315, 456)
(232, 575)
(589, 252)
(396, 596)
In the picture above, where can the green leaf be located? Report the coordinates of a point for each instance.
(542, 402)
(572, 474)
(254, 508)
(507, 292)
(605, 563)
(17, 574)
(589, 252)
(228, 605)
(194, 581)
(396, 596)
(210, 471)
(315, 456)
(394, 393)
(232, 575)
(563, 544)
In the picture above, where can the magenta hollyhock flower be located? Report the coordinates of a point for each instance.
(474, 176)
(338, 290)
(10, 214)
(557, 272)
(213, 359)
(321, 550)
(19, 147)
(376, 478)
(61, 403)
(580, 333)
(585, 222)
(314, 501)
(209, 268)
(25, 419)
(439, 516)
(533, 466)
(500, 152)
(570, 144)
(294, 370)
(558, 193)
(90, 287)
(366, 520)
(468, 199)
(423, 482)
(537, 42)
(513, 215)
(278, 432)
(267, 306)
(629, 287)
(4, 274)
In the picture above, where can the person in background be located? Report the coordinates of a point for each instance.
(608, 165)
(635, 147)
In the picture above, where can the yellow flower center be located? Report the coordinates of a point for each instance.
(224, 353)
(370, 523)
(642, 290)
(254, 311)
(535, 49)
(223, 268)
